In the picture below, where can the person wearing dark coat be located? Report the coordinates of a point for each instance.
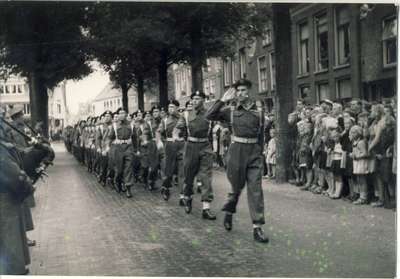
(15, 187)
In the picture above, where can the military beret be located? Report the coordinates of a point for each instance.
(244, 82)
(155, 107)
(120, 109)
(107, 112)
(181, 109)
(147, 113)
(328, 102)
(188, 103)
(173, 102)
(198, 93)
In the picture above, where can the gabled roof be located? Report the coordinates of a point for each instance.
(110, 91)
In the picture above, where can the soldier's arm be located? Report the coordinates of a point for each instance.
(219, 112)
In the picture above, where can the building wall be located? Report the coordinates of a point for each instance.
(379, 81)
(58, 110)
(15, 90)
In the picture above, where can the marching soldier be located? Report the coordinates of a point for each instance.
(198, 157)
(103, 145)
(121, 136)
(174, 146)
(111, 153)
(244, 160)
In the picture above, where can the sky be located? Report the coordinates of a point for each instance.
(86, 88)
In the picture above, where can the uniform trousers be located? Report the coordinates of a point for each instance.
(198, 162)
(245, 166)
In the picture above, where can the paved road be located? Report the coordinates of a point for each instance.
(85, 229)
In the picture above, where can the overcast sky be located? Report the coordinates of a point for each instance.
(85, 89)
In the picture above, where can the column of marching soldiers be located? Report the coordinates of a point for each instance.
(25, 153)
(124, 151)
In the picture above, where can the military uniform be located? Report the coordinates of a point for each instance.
(244, 158)
(198, 158)
(148, 153)
(174, 147)
(14, 188)
(122, 138)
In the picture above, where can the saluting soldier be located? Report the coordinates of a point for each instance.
(198, 157)
(174, 147)
(244, 159)
(121, 136)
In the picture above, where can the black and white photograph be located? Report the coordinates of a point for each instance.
(198, 139)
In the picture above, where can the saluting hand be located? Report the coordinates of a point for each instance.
(230, 94)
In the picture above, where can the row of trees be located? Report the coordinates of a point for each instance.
(49, 42)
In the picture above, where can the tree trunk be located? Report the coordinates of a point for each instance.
(196, 56)
(124, 89)
(39, 102)
(284, 93)
(140, 91)
(163, 79)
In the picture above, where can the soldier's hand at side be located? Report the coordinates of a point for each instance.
(230, 94)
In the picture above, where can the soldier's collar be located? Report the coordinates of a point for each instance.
(247, 105)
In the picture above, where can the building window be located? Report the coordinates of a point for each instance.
(13, 89)
(342, 21)
(267, 37)
(242, 61)
(235, 69)
(20, 88)
(321, 31)
(27, 109)
(322, 91)
(8, 89)
(304, 57)
(212, 86)
(389, 41)
(227, 72)
(262, 74)
(272, 69)
(59, 108)
(343, 89)
(304, 92)
(206, 86)
(1, 89)
(119, 102)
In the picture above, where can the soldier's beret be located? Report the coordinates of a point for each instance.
(163, 109)
(147, 113)
(139, 111)
(155, 107)
(120, 109)
(107, 112)
(188, 103)
(181, 109)
(243, 82)
(328, 102)
(173, 102)
(198, 93)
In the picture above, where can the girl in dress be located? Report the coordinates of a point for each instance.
(271, 154)
(337, 165)
(359, 156)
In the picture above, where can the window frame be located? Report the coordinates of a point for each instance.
(337, 93)
(299, 50)
(272, 72)
(384, 43)
(318, 93)
(242, 62)
(337, 26)
(260, 81)
(227, 68)
(316, 41)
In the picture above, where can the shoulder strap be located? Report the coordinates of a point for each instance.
(115, 129)
(186, 116)
(231, 120)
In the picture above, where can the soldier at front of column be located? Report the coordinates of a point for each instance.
(121, 136)
(244, 159)
(198, 157)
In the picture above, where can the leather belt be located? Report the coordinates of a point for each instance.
(118, 141)
(244, 140)
(193, 139)
(173, 140)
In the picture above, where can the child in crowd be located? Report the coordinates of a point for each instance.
(271, 154)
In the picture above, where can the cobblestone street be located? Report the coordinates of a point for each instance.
(84, 229)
